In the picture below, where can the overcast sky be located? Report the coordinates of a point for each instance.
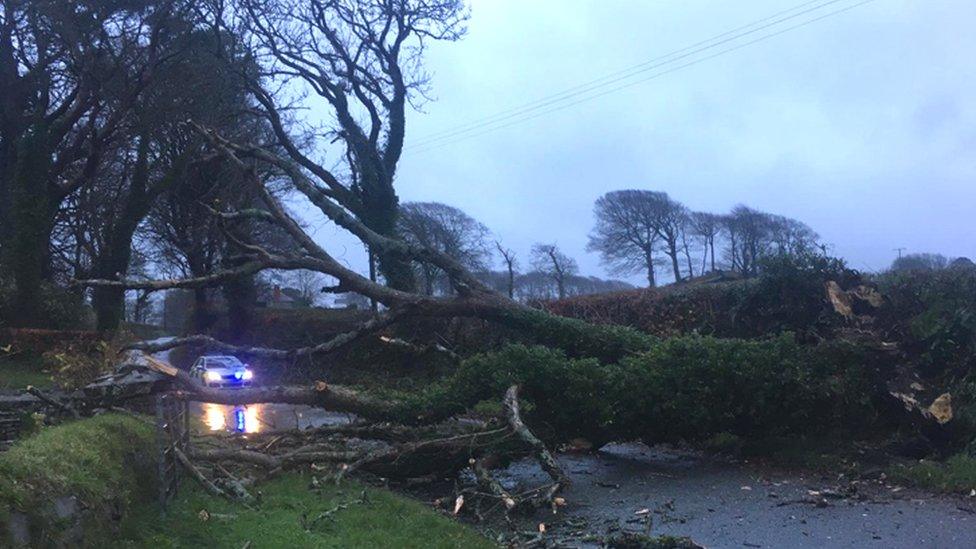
(863, 125)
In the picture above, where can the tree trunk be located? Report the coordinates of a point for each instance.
(113, 263)
(380, 212)
(673, 254)
(239, 293)
(511, 281)
(202, 316)
(691, 269)
(32, 221)
(649, 263)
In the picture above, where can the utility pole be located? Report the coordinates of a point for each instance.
(900, 250)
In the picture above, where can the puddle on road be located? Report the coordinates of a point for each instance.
(256, 418)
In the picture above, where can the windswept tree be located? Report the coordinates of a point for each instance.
(920, 262)
(749, 232)
(554, 264)
(707, 227)
(247, 161)
(670, 220)
(626, 234)
(448, 230)
(791, 236)
(364, 59)
(753, 235)
(510, 262)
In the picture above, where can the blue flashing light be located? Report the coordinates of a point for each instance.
(239, 422)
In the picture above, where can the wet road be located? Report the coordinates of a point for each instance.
(255, 418)
(725, 505)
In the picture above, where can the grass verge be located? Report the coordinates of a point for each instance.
(20, 371)
(292, 513)
(105, 462)
(84, 458)
(957, 474)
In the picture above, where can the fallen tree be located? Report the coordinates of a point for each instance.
(601, 382)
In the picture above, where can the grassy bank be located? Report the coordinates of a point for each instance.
(292, 513)
(85, 458)
(18, 372)
(105, 464)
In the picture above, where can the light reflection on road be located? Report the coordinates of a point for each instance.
(242, 419)
(256, 418)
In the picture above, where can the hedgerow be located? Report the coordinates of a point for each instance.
(686, 388)
(787, 297)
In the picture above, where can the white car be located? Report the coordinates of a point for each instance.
(222, 371)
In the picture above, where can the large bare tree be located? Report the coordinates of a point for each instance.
(626, 235)
(554, 264)
(364, 59)
(707, 227)
(448, 230)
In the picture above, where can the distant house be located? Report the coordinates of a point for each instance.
(281, 298)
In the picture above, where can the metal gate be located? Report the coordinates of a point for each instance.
(172, 435)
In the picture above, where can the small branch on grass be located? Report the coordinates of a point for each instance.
(210, 487)
(269, 461)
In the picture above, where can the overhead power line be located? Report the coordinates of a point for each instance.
(599, 87)
(623, 73)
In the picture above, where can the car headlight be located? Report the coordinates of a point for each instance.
(248, 374)
(213, 376)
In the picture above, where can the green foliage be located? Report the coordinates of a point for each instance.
(688, 388)
(693, 387)
(934, 313)
(567, 396)
(957, 474)
(19, 371)
(288, 516)
(578, 338)
(789, 296)
(105, 461)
